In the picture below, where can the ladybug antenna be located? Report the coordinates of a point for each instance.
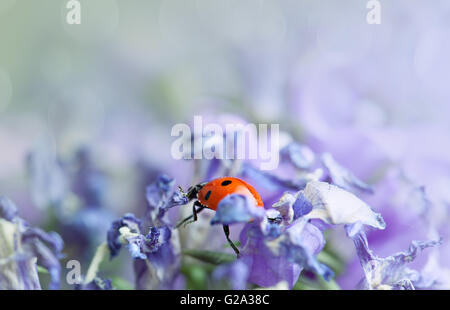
(181, 190)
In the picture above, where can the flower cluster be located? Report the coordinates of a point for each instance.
(291, 243)
(277, 244)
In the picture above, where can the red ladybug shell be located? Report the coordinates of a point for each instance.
(213, 192)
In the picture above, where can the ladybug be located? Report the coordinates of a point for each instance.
(208, 195)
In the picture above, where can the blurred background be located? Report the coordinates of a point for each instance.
(109, 90)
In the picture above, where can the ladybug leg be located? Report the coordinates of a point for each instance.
(195, 211)
(226, 229)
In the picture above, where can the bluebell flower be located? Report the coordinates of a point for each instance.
(156, 253)
(88, 182)
(23, 248)
(161, 196)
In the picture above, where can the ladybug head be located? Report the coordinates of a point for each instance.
(193, 191)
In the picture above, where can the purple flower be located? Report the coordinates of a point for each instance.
(156, 254)
(265, 268)
(279, 255)
(131, 223)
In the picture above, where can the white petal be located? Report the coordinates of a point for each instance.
(337, 206)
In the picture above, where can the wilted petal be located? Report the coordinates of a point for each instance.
(141, 246)
(18, 269)
(301, 156)
(390, 272)
(343, 177)
(160, 197)
(135, 244)
(285, 207)
(236, 208)
(334, 205)
(8, 209)
(52, 239)
(21, 246)
(161, 269)
(47, 248)
(292, 207)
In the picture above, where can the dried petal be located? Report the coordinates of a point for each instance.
(343, 177)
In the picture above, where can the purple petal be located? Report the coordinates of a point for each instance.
(302, 242)
(270, 181)
(236, 208)
(301, 206)
(265, 268)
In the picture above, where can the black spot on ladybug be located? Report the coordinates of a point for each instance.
(226, 182)
(207, 195)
